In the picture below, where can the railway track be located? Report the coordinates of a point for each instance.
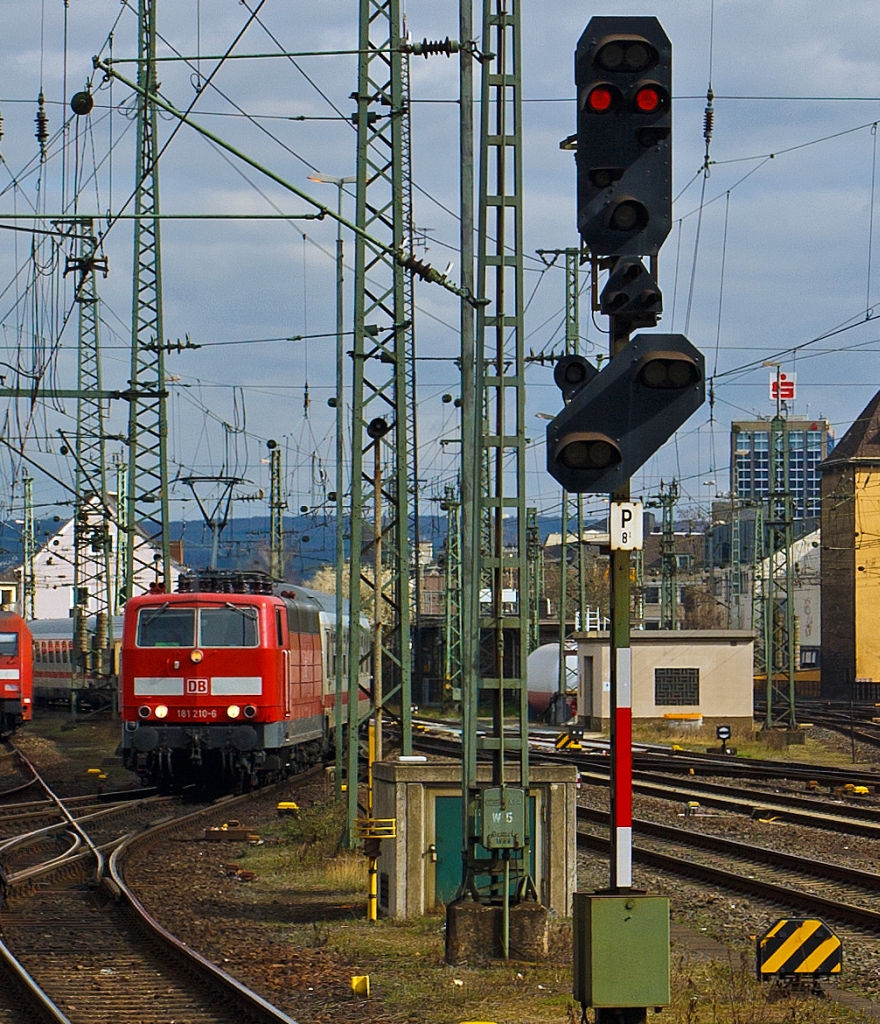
(681, 762)
(16, 776)
(78, 947)
(805, 886)
(815, 812)
(841, 894)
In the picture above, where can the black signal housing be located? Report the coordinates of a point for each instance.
(623, 73)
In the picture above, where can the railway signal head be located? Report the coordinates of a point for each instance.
(620, 418)
(571, 373)
(631, 294)
(623, 73)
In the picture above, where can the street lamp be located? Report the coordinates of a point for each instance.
(340, 183)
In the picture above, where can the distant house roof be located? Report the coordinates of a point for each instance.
(861, 443)
(554, 540)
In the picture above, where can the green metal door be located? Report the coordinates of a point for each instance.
(447, 840)
(447, 833)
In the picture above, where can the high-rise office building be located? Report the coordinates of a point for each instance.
(808, 443)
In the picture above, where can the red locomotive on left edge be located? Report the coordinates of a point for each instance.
(16, 672)
(229, 681)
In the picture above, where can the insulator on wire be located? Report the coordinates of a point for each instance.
(709, 117)
(431, 47)
(1, 126)
(42, 123)
(423, 270)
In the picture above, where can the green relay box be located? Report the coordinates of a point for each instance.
(621, 950)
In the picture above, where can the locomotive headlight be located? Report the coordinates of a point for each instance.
(161, 711)
(233, 711)
(196, 656)
(144, 711)
(250, 711)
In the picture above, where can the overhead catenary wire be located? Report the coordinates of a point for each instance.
(729, 380)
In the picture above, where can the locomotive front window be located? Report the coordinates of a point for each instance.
(9, 644)
(166, 627)
(232, 626)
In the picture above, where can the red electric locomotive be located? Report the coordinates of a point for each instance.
(16, 672)
(231, 678)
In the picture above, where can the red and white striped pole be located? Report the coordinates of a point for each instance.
(621, 669)
(621, 754)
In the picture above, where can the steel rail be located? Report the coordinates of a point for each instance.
(859, 917)
(51, 1014)
(744, 851)
(115, 882)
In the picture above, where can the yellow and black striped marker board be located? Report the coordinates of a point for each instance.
(799, 946)
(565, 741)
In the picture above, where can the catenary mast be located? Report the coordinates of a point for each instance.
(380, 481)
(147, 510)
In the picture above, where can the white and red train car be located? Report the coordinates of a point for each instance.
(231, 678)
(16, 672)
(55, 665)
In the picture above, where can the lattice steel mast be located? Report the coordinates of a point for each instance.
(734, 603)
(500, 496)
(92, 581)
(778, 604)
(123, 534)
(759, 590)
(147, 511)
(28, 574)
(535, 561)
(668, 558)
(277, 504)
(452, 629)
(409, 341)
(380, 417)
(572, 347)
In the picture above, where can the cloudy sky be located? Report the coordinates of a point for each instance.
(781, 261)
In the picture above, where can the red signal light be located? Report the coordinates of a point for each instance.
(600, 99)
(648, 99)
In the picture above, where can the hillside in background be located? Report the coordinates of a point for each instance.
(309, 540)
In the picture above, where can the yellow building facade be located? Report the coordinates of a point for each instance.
(850, 572)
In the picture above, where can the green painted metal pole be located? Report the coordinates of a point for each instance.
(123, 535)
(29, 579)
(734, 586)
(452, 631)
(562, 681)
(572, 347)
(497, 471)
(92, 587)
(147, 423)
(380, 414)
(535, 560)
(277, 504)
(779, 621)
(471, 449)
(668, 560)
(341, 637)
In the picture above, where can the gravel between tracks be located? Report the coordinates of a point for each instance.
(192, 890)
(733, 919)
(247, 929)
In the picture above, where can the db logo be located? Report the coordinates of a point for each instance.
(196, 686)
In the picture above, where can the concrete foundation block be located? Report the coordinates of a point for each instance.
(779, 739)
(474, 932)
